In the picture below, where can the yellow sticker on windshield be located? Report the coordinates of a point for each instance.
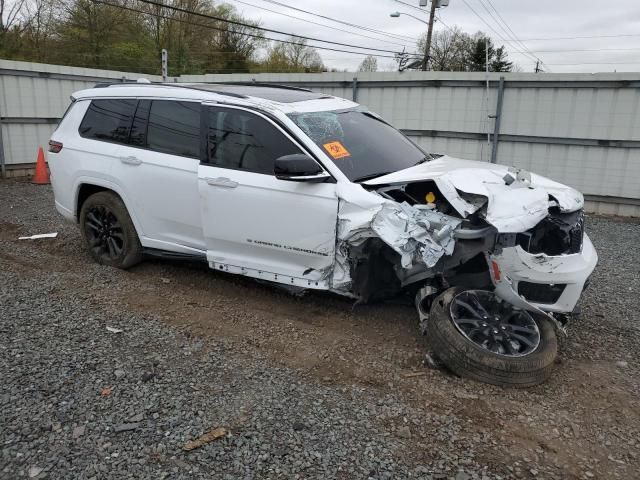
(336, 150)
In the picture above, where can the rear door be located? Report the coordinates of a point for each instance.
(159, 171)
(253, 223)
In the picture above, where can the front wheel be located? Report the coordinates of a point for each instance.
(480, 336)
(108, 231)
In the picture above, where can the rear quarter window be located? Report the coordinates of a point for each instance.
(108, 120)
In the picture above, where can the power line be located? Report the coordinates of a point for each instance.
(513, 34)
(581, 37)
(495, 31)
(483, 20)
(368, 29)
(316, 23)
(270, 30)
(510, 30)
(587, 50)
(516, 47)
(157, 15)
(412, 6)
(598, 63)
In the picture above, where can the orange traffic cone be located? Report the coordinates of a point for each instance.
(41, 175)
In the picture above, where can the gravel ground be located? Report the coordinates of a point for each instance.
(307, 387)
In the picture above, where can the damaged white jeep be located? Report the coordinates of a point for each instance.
(316, 192)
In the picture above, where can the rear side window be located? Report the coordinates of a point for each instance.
(174, 127)
(241, 140)
(108, 120)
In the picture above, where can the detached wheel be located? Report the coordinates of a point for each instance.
(479, 336)
(108, 231)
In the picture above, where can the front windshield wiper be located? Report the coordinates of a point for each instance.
(425, 159)
(370, 176)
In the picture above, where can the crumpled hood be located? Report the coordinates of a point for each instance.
(513, 206)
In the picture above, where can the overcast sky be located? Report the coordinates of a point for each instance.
(528, 19)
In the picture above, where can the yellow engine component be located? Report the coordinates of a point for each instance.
(430, 197)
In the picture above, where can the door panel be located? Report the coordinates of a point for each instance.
(254, 223)
(160, 174)
(164, 189)
(268, 224)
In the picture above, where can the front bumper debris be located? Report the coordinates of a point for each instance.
(572, 271)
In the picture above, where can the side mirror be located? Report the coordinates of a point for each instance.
(299, 168)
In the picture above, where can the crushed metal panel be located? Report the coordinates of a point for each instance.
(415, 232)
(418, 233)
(516, 199)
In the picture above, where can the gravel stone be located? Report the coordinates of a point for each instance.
(125, 427)
(309, 387)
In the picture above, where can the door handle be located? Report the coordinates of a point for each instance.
(131, 160)
(221, 182)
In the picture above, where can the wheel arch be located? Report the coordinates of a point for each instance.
(85, 187)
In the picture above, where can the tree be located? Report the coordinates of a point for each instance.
(369, 64)
(12, 25)
(481, 48)
(456, 51)
(449, 49)
(87, 34)
(500, 62)
(295, 56)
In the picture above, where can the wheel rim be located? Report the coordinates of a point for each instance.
(493, 324)
(104, 232)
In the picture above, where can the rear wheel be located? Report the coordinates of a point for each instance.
(108, 231)
(480, 336)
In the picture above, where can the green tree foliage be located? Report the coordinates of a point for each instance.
(295, 56)
(457, 51)
(88, 34)
(500, 62)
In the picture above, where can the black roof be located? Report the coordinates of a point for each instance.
(275, 93)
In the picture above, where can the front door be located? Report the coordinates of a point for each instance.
(253, 223)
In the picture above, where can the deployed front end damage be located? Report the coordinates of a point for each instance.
(494, 256)
(514, 240)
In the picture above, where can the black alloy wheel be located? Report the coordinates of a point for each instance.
(494, 324)
(108, 231)
(104, 232)
(477, 335)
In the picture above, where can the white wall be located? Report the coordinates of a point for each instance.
(549, 117)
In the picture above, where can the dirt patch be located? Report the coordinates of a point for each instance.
(9, 231)
(585, 419)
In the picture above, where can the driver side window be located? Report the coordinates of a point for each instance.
(241, 140)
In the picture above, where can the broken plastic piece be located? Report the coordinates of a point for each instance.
(40, 235)
(114, 330)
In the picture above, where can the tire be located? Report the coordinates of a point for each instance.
(468, 359)
(108, 232)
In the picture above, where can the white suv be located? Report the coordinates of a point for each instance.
(316, 192)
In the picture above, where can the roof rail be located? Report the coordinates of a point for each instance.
(176, 85)
(264, 84)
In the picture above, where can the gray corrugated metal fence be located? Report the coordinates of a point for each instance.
(34, 96)
(579, 129)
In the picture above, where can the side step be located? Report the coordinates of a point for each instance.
(166, 255)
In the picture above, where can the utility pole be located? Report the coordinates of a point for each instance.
(165, 60)
(427, 48)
